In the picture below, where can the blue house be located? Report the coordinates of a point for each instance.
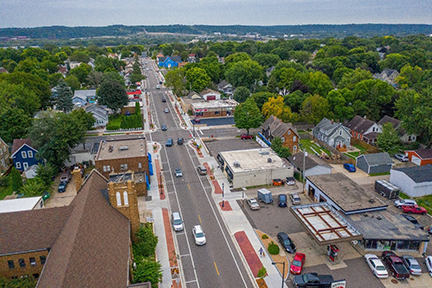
(23, 154)
(170, 61)
(84, 97)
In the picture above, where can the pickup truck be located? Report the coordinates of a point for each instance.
(395, 265)
(313, 280)
(414, 209)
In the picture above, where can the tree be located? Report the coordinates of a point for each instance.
(262, 97)
(340, 103)
(25, 282)
(388, 140)
(94, 78)
(46, 172)
(315, 108)
(32, 188)
(394, 61)
(351, 78)
(276, 145)
(241, 94)
(112, 94)
(244, 73)
(247, 115)
(275, 106)
(63, 100)
(174, 80)
(15, 180)
(17, 96)
(266, 59)
(136, 72)
(146, 242)
(73, 82)
(197, 79)
(86, 118)
(13, 124)
(148, 270)
(294, 100)
(81, 72)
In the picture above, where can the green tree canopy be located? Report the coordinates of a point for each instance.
(315, 108)
(63, 100)
(388, 140)
(247, 115)
(17, 96)
(241, 94)
(244, 73)
(197, 79)
(13, 124)
(266, 59)
(174, 80)
(112, 94)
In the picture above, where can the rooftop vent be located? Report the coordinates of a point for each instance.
(123, 148)
(110, 149)
(266, 152)
(269, 160)
(237, 164)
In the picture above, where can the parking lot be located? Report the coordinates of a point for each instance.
(216, 146)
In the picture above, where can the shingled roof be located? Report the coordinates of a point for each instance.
(310, 161)
(277, 127)
(93, 247)
(418, 174)
(17, 143)
(376, 159)
(387, 119)
(360, 124)
(424, 153)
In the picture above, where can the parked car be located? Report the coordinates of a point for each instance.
(253, 204)
(295, 198)
(62, 186)
(197, 120)
(166, 110)
(199, 235)
(297, 263)
(169, 142)
(290, 181)
(395, 265)
(349, 167)
(313, 280)
(399, 203)
(286, 242)
(413, 220)
(277, 182)
(282, 200)
(180, 141)
(401, 157)
(414, 209)
(428, 262)
(163, 100)
(412, 264)
(376, 265)
(178, 172)
(158, 86)
(429, 230)
(177, 221)
(65, 177)
(201, 170)
(246, 136)
(164, 127)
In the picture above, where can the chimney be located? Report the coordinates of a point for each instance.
(76, 174)
(332, 121)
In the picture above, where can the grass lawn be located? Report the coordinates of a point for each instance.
(362, 149)
(351, 156)
(426, 202)
(312, 147)
(5, 191)
(403, 196)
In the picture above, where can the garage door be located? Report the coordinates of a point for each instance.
(415, 160)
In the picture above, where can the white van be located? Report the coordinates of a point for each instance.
(177, 221)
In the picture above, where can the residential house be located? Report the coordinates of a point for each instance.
(170, 61)
(100, 114)
(333, 133)
(210, 95)
(226, 88)
(122, 155)
(215, 108)
(23, 154)
(403, 135)
(187, 101)
(388, 75)
(413, 181)
(269, 70)
(311, 164)
(63, 70)
(364, 129)
(3, 70)
(192, 58)
(274, 127)
(83, 97)
(85, 244)
(74, 64)
(420, 157)
(4, 156)
(375, 163)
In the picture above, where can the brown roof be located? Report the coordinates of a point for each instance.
(424, 153)
(93, 247)
(277, 127)
(387, 119)
(310, 161)
(17, 143)
(360, 124)
(31, 230)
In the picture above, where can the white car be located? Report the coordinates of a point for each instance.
(253, 204)
(178, 173)
(428, 262)
(199, 235)
(377, 267)
(400, 203)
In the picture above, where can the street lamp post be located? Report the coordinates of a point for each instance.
(223, 195)
(160, 182)
(283, 271)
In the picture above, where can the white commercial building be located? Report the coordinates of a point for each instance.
(254, 167)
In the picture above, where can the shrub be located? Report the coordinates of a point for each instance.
(273, 248)
(264, 236)
(146, 242)
(262, 272)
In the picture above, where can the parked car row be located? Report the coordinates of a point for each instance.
(265, 196)
(170, 142)
(197, 231)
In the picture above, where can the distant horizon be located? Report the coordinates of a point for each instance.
(82, 13)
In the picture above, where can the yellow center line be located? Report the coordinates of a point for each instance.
(217, 271)
(199, 219)
(188, 186)
(181, 164)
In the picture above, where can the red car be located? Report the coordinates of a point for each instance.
(414, 209)
(245, 136)
(297, 263)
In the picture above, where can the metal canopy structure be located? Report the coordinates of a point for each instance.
(325, 223)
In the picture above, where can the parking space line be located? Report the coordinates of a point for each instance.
(191, 281)
(188, 186)
(185, 255)
(199, 219)
(217, 271)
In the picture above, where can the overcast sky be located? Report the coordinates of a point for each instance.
(33, 13)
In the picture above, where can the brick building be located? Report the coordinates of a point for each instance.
(214, 108)
(274, 127)
(122, 155)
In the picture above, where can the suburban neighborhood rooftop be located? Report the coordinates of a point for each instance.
(215, 104)
(122, 148)
(418, 174)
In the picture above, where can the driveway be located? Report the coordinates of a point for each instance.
(360, 177)
(61, 199)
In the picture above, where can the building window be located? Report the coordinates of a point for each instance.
(340, 132)
(18, 165)
(294, 138)
(121, 167)
(289, 132)
(283, 139)
(11, 264)
(118, 197)
(32, 261)
(139, 165)
(108, 168)
(21, 262)
(23, 154)
(125, 198)
(42, 259)
(30, 154)
(25, 165)
(125, 166)
(104, 169)
(217, 112)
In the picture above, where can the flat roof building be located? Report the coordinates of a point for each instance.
(215, 108)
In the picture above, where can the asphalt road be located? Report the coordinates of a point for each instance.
(216, 264)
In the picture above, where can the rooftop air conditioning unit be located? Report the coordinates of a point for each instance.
(236, 164)
(110, 149)
(266, 152)
(269, 160)
(123, 148)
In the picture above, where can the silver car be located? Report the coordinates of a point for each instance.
(295, 199)
(400, 203)
(253, 204)
(412, 265)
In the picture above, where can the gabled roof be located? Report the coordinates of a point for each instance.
(310, 161)
(423, 153)
(223, 84)
(83, 94)
(176, 58)
(360, 124)
(277, 127)
(418, 174)
(93, 247)
(377, 159)
(18, 143)
(329, 127)
(387, 119)
(203, 92)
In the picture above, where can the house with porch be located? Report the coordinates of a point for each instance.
(332, 133)
(226, 88)
(24, 154)
(274, 127)
(364, 129)
(403, 135)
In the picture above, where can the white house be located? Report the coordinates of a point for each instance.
(414, 181)
(210, 95)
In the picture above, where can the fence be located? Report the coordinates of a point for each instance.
(342, 157)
